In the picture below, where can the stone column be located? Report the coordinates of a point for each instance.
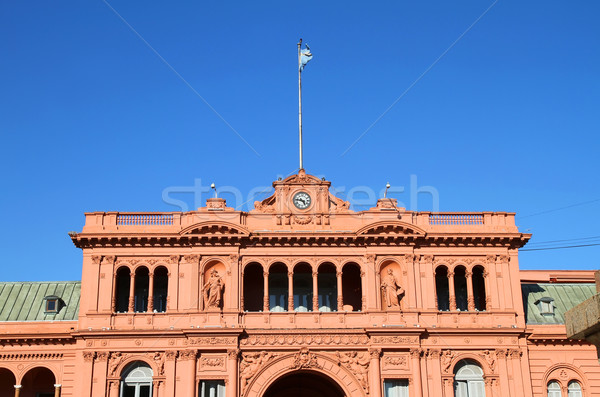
(131, 292)
(113, 388)
(171, 356)
(434, 369)
(186, 366)
(315, 299)
(87, 373)
(340, 292)
(232, 373)
(363, 289)
(151, 293)
(515, 358)
(113, 298)
(99, 372)
(451, 290)
(415, 355)
(375, 375)
(57, 390)
(470, 298)
(18, 390)
(505, 389)
(290, 291)
(173, 283)
(156, 388)
(242, 303)
(488, 293)
(266, 292)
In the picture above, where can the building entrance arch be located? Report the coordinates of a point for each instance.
(304, 383)
(304, 373)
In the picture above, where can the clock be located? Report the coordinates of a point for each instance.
(301, 200)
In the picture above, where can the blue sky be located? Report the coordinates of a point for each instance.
(92, 119)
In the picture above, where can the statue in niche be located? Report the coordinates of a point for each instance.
(391, 289)
(212, 290)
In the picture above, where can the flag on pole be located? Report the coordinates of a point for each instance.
(305, 56)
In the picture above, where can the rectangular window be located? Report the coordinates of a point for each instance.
(212, 388)
(395, 388)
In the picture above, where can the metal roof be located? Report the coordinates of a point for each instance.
(24, 301)
(565, 295)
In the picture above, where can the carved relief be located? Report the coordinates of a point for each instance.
(396, 340)
(188, 354)
(207, 361)
(96, 259)
(174, 259)
(213, 290)
(395, 361)
(213, 340)
(490, 358)
(337, 204)
(160, 358)
(391, 289)
(305, 359)
(358, 364)
(89, 356)
(302, 219)
(302, 339)
(115, 360)
(171, 355)
(251, 363)
(191, 258)
(446, 360)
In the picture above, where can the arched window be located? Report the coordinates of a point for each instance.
(554, 389)
(468, 380)
(38, 381)
(7, 382)
(278, 288)
(574, 389)
(460, 288)
(351, 287)
(136, 380)
(303, 292)
(122, 290)
(479, 288)
(327, 287)
(142, 280)
(161, 288)
(254, 286)
(441, 288)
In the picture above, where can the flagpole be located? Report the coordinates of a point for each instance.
(300, 102)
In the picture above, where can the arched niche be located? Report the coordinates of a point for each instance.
(213, 285)
(392, 284)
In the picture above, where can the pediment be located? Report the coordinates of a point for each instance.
(390, 228)
(215, 228)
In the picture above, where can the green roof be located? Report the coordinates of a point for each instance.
(24, 301)
(565, 296)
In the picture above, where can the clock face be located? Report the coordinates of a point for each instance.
(301, 200)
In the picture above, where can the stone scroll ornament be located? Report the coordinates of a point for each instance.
(391, 290)
(213, 290)
(250, 365)
(358, 364)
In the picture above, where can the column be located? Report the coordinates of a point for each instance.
(503, 373)
(363, 289)
(232, 373)
(173, 287)
(315, 299)
(470, 298)
(131, 291)
(151, 292)
(99, 372)
(266, 292)
(290, 291)
(515, 358)
(340, 292)
(169, 388)
(87, 371)
(375, 375)
(57, 390)
(113, 299)
(488, 295)
(411, 265)
(451, 290)
(18, 390)
(435, 369)
(113, 388)
(242, 304)
(415, 355)
(156, 388)
(186, 366)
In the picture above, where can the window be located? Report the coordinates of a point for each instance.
(479, 289)
(53, 304)
(254, 288)
(136, 380)
(546, 306)
(161, 289)
(468, 380)
(395, 388)
(460, 288)
(554, 389)
(278, 288)
(303, 291)
(351, 287)
(441, 288)
(212, 388)
(122, 290)
(574, 389)
(327, 287)
(142, 280)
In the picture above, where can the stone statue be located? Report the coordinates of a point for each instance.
(212, 290)
(391, 289)
(446, 360)
(115, 360)
(358, 365)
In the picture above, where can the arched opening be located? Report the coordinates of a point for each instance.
(254, 286)
(278, 287)
(38, 382)
(303, 292)
(460, 288)
(136, 380)
(160, 289)
(468, 379)
(7, 382)
(122, 290)
(441, 288)
(478, 288)
(351, 287)
(327, 287)
(554, 389)
(302, 384)
(142, 280)
(574, 389)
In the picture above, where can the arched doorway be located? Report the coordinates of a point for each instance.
(302, 384)
(7, 383)
(38, 382)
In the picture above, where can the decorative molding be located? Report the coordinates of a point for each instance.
(96, 259)
(396, 340)
(190, 354)
(212, 361)
(31, 356)
(304, 339)
(213, 340)
(395, 361)
(305, 359)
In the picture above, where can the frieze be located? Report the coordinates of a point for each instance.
(395, 361)
(31, 356)
(397, 340)
(213, 340)
(304, 340)
(211, 361)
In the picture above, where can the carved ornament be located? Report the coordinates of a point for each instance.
(304, 340)
(305, 359)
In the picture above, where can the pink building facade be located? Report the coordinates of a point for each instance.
(300, 296)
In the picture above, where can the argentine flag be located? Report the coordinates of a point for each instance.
(305, 56)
